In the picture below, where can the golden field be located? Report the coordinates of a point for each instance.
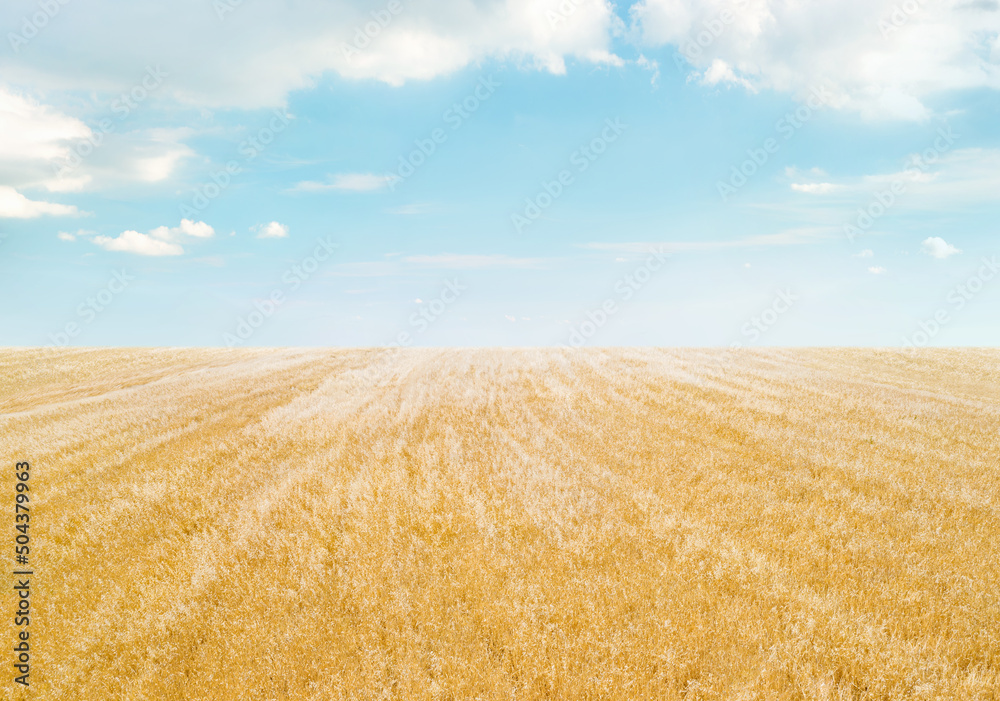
(507, 524)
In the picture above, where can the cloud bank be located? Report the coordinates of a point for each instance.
(874, 56)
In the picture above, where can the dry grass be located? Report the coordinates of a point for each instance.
(640, 524)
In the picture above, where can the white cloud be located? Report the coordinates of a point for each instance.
(815, 188)
(144, 156)
(140, 244)
(880, 70)
(30, 131)
(40, 147)
(273, 230)
(159, 167)
(876, 270)
(937, 247)
(188, 227)
(867, 253)
(67, 183)
(347, 182)
(260, 52)
(721, 72)
(14, 205)
(161, 241)
(958, 178)
(74, 235)
(651, 66)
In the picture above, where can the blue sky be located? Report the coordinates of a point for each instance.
(226, 173)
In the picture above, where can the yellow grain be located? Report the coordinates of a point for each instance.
(509, 524)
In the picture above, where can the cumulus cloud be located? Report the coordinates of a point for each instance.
(873, 57)
(14, 205)
(161, 241)
(72, 236)
(721, 72)
(140, 244)
(40, 147)
(347, 182)
(939, 248)
(273, 230)
(188, 227)
(874, 60)
(876, 270)
(157, 160)
(30, 130)
(260, 52)
(815, 188)
(867, 253)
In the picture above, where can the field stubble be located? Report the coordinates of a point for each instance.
(509, 524)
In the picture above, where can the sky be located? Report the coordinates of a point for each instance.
(512, 172)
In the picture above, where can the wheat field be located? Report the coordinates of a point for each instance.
(508, 524)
